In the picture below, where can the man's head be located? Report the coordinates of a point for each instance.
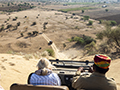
(44, 63)
(101, 63)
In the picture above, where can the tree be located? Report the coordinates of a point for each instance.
(2, 28)
(86, 17)
(18, 24)
(100, 21)
(8, 26)
(73, 14)
(34, 23)
(90, 23)
(111, 36)
(83, 11)
(64, 45)
(44, 25)
(21, 34)
(106, 10)
(8, 4)
(113, 23)
(35, 32)
(90, 48)
(29, 34)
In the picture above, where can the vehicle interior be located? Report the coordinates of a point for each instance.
(65, 69)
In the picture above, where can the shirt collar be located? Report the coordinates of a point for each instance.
(98, 74)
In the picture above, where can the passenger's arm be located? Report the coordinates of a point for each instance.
(58, 79)
(75, 81)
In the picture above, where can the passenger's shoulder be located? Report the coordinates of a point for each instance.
(111, 79)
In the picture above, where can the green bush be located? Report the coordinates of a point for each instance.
(8, 26)
(66, 17)
(73, 14)
(84, 40)
(29, 34)
(86, 17)
(90, 48)
(18, 24)
(16, 17)
(83, 11)
(113, 23)
(76, 27)
(111, 36)
(51, 52)
(19, 9)
(64, 45)
(106, 10)
(21, 34)
(34, 23)
(100, 21)
(35, 32)
(90, 23)
(2, 28)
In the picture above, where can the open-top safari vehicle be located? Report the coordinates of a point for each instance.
(66, 69)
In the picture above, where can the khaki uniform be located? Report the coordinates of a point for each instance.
(95, 81)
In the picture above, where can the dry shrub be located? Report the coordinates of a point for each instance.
(28, 56)
(22, 44)
(45, 54)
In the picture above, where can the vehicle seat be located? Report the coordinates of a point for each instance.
(37, 87)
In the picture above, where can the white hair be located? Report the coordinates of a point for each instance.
(44, 63)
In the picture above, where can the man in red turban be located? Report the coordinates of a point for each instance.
(95, 79)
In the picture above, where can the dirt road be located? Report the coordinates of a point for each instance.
(58, 54)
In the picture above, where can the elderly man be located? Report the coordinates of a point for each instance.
(95, 79)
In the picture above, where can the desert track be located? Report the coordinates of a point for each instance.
(57, 53)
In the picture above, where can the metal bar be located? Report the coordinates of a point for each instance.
(70, 66)
(57, 60)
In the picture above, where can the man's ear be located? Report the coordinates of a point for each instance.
(94, 69)
(107, 69)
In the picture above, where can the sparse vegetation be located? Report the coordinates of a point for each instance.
(76, 9)
(44, 25)
(34, 23)
(90, 48)
(83, 40)
(76, 27)
(22, 44)
(106, 10)
(90, 23)
(83, 11)
(51, 52)
(100, 21)
(86, 18)
(73, 14)
(112, 37)
(8, 26)
(35, 32)
(29, 34)
(18, 24)
(113, 23)
(2, 28)
(21, 34)
(64, 45)
(28, 56)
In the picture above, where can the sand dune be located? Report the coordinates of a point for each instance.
(15, 69)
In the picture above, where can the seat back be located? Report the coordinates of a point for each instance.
(37, 87)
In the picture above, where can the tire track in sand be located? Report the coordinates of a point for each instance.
(58, 55)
